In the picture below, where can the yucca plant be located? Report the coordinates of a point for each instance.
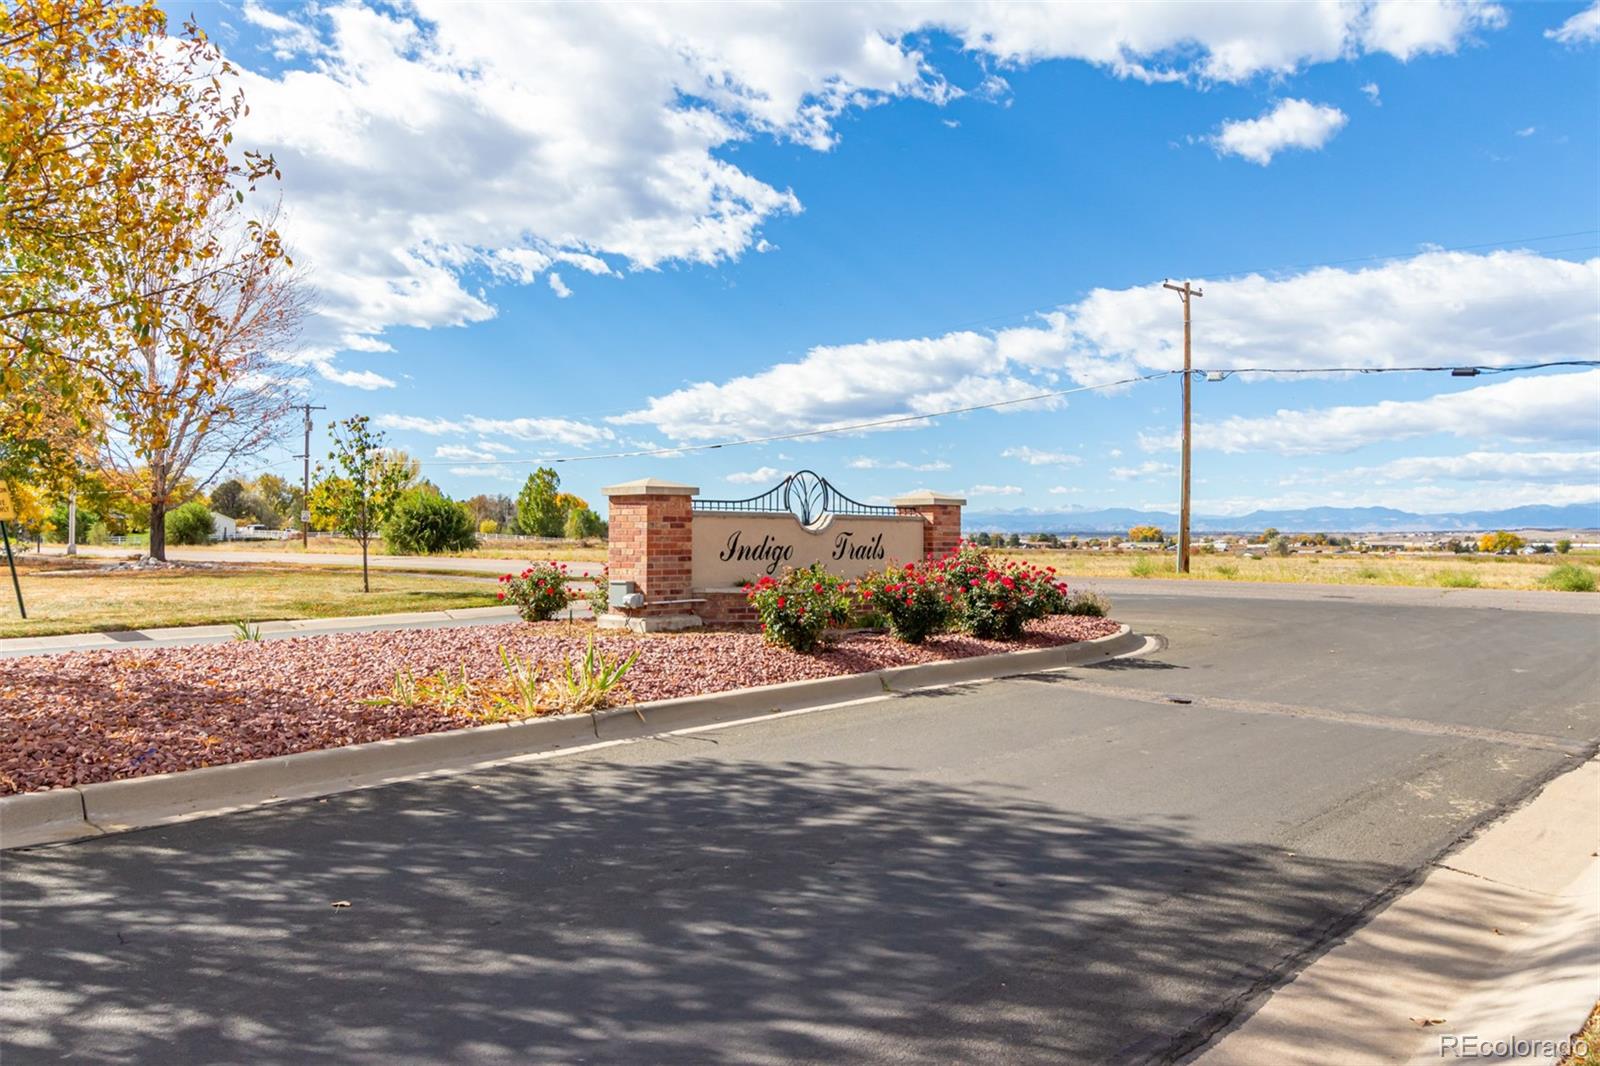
(592, 683)
(243, 630)
(525, 679)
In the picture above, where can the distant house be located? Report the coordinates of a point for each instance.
(223, 527)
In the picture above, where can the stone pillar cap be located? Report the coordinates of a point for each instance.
(651, 486)
(926, 498)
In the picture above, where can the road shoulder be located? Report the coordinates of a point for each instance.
(1497, 944)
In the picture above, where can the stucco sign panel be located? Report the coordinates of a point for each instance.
(731, 547)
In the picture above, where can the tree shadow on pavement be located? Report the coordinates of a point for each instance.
(699, 910)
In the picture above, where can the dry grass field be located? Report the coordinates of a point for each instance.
(1374, 568)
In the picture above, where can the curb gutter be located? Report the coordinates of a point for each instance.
(113, 806)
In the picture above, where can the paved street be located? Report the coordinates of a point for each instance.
(1102, 865)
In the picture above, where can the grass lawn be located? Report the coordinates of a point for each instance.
(84, 599)
(1427, 571)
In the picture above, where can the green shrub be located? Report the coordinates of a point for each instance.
(1086, 604)
(1570, 577)
(582, 523)
(189, 524)
(599, 597)
(795, 609)
(916, 602)
(995, 601)
(1457, 579)
(1563, 546)
(1144, 566)
(538, 592)
(1227, 570)
(423, 523)
(488, 527)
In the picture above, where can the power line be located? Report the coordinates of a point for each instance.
(1458, 371)
(1473, 370)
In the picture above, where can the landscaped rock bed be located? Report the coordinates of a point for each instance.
(100, 716)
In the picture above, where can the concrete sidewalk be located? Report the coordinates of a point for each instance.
(298, 627)
(1495, 957)
(253, 556)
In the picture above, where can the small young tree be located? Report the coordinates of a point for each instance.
(539, 512)
(361, 496)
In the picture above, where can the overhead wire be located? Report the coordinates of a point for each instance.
(926, 416)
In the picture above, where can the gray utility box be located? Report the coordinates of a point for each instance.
(624, 594)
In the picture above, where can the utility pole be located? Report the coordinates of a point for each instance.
(305, 479)
(1186, 293)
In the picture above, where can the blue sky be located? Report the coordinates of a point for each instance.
(560, 231)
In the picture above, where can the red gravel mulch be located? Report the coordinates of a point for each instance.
(105, 715)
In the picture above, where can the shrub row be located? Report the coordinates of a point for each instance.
(964, 591)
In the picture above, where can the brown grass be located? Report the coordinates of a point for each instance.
(1373, 568)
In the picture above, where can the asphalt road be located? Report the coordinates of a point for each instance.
(1104, 865)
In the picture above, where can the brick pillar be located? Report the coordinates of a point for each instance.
(941, 516)
(651, 523)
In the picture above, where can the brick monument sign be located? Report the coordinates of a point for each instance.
(677, 561)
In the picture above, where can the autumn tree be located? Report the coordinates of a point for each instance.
(1145, 534)
(115, 155)
(1499, 541)
(361, 496)
(209, 385)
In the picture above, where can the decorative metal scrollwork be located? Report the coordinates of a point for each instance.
(805, 494)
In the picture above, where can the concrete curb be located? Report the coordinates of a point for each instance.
(122, 640)
(113, 806)
(1495, 946)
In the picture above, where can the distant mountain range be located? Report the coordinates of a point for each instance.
(1306, 520)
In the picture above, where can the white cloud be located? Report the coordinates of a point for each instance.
(1488, 466)
(866, 463)
(1062, 490)
(1405, 29)
(1148, 469)
(994, 490)
(356, 379)
(1034, 457)
(1290, 124)
(840, 385)
(1582, 28)
(427, 146)
(558, 286)
(766, 475)
(462, 452)
(1550, 407)
(1373, 93)
(558, 430)
(1527, 131)
(434, 427)
(1438, 308)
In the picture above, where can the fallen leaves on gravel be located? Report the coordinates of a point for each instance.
(105, 715)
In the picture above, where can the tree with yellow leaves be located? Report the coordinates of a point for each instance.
(122, 244)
